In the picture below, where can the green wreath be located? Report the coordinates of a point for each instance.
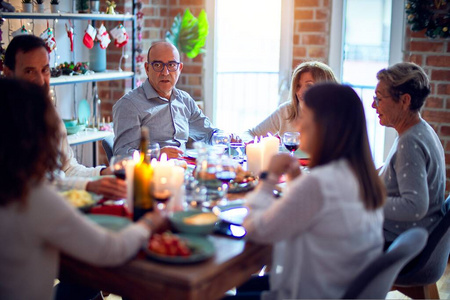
(432, 15)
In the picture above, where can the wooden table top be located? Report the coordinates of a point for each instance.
(142, 278)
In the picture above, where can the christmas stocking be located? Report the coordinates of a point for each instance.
(49, 39)
(69, 30)
(120, 35)
(89, 36)
(103, 37)
(22, 30)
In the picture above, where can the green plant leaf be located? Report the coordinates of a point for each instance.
(189, 33)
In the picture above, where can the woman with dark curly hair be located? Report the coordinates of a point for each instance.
(36, 224)
(414, 171)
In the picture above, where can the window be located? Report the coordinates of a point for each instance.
(246, 69)
(366, 41)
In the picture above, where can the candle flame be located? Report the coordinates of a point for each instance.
(136, 156)
(163, 157)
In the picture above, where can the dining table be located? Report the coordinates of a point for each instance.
(232, 264)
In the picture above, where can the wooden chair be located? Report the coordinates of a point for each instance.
(376, 279)
(418, 279)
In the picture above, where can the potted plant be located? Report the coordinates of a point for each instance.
(54, 6)
(27, 6)
(40, 6)
(189, 33)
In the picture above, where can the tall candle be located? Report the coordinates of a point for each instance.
(254, 157)
(129, 175)
(177, 187)
(270, 145)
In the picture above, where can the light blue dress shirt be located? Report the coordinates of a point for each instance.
(170, 122)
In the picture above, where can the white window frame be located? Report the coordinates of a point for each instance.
(210, 65)
(335, 57)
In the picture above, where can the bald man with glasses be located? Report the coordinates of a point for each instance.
(171, 114)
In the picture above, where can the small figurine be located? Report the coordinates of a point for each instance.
(110, 7)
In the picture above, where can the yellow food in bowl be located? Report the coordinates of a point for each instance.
(201, 219)
(78, 198)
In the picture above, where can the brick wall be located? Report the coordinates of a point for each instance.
(311, 40)
(433, 55)
(158, 18)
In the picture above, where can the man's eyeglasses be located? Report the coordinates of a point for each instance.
(158, 66)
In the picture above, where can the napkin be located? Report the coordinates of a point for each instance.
(111, 209)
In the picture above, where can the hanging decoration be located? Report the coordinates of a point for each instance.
(22, 30)
(49, 39)
(139, 56)
(431, 15)
(120, 35)
(103, 37)
(69, 30)
(89, 36)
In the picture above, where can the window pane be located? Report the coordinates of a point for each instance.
(366, 51)
(248, 55)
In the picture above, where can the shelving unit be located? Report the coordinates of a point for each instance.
(86, 136)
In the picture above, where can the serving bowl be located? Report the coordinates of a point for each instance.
(75, 129)
(193, 221)
(70, 122)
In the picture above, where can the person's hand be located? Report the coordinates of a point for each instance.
(110, 187)
(106, 171)
(283, 163)
(156, 221)
(171, 151)
(235, 138)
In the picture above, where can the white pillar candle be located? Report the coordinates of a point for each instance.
(270, 145)
(254, 157)
(129, 175)
(177, 187)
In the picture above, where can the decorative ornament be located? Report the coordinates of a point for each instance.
(431, 15)
(140, 59)
(22, 30)
(69, 30)
(111, 5)
(120, 35)
(89, 36)
(49, 39)
(103, 37)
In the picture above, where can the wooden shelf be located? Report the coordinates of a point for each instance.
(105, 17)
(101, 76)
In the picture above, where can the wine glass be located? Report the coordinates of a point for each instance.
(221, 140)
(153, 151)
(118, 165)
(291, 141)
(226, 169)
(161, 190)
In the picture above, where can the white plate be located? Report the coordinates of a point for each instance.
(191, 153)
(234, 215)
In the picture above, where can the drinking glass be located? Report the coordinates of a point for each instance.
(291, 141)
(153, 151)
(226, 169)
(118, 164)
(161, 190)
(237, 152)
(221, 140)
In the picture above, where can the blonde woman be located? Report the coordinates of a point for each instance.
(286, 117)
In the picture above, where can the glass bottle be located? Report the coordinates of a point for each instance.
(143, 172)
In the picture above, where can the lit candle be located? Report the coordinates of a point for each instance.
(177, 187)
(129, 175)
(254, 157)
(270, 145)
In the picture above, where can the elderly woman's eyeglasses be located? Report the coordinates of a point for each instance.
(158, 66)
(376, 100)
